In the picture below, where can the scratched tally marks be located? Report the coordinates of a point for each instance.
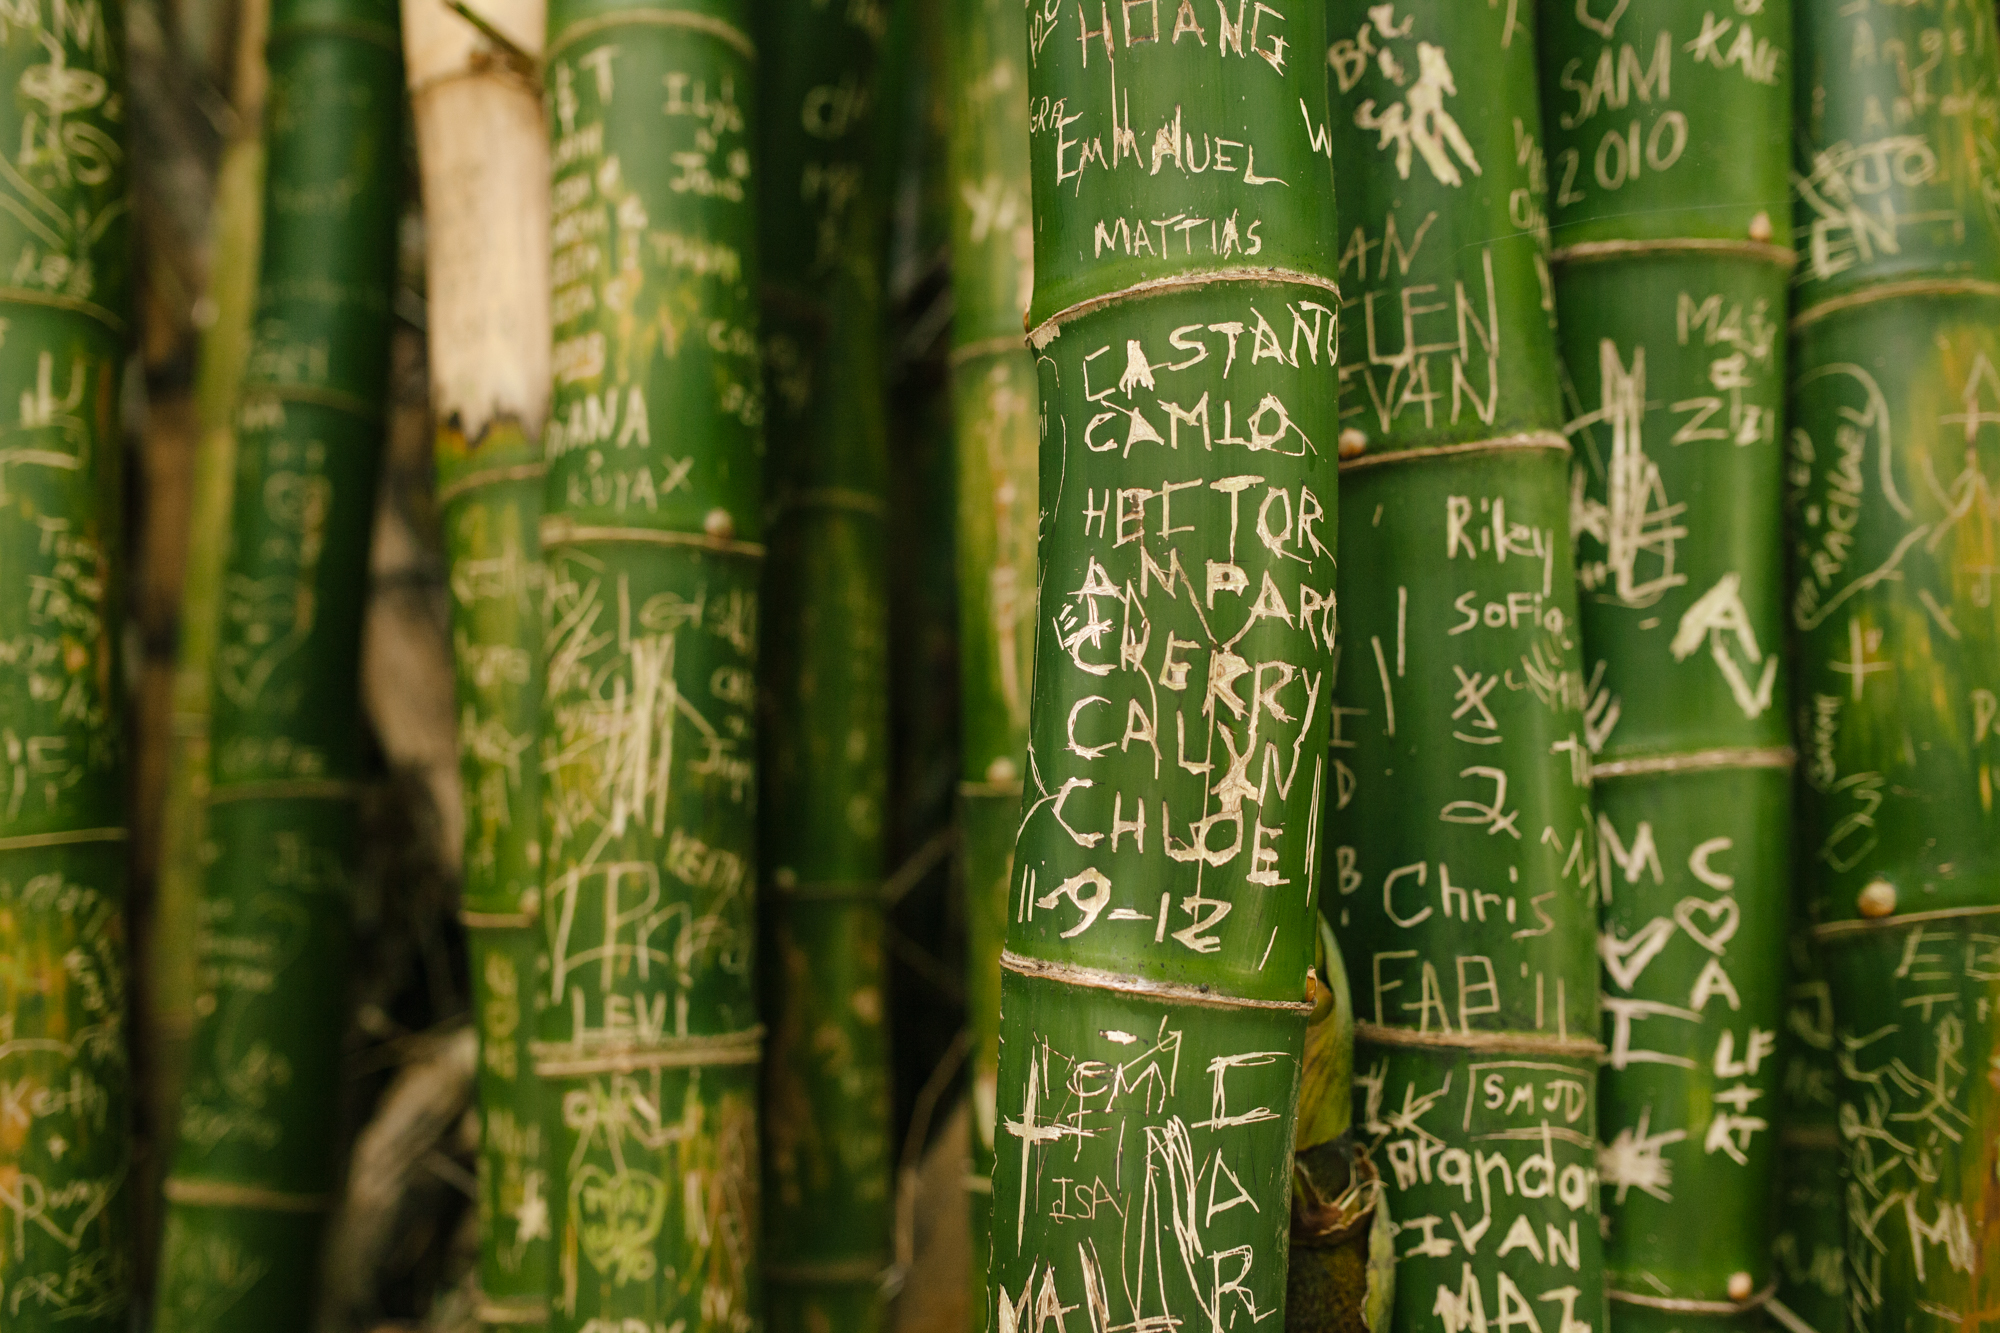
(65, 1146)
(647, 1030)
(1443, 239)
(1160, 923)
(255, 1159)
(1898, 144)
(1896, 419)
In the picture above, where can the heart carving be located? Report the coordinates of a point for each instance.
(1626, 959)
(618, 1217)
(1601, 26)
(1722, 916)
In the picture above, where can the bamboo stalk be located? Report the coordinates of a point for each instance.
(225, 347)
(648, 1035)
(483, 150)
(994, 401)
(1160, 931)
(1672, 268)
(828, 1150)
(1808, 1249)
(1464, 870)
(257, 1147)
(1894, 403)
(65, 1147)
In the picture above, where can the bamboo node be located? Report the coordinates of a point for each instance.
(228, 1194)
(1678, 1305)
(66, 838)
(1353, 443)
(1094, 978)
(562, 1059)
(1534, 439)
(1051, 328)
(1517, 1043)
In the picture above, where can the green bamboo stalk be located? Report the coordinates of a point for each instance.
(1464, 869)
(648, 1031)
(1894, 403)
(994, 397)
(483, 150)
(256, 1154)
(1156, 979)
(225, 347)
(1668, 154)
(828, 1150)
(65, 1138)
(1807, 1248)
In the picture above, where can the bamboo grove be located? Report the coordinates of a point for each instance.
(1475, 660)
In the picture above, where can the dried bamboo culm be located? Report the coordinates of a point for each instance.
(257, 1149)
(66, 1149)
(829, 1154)
(483, 151)
(995, 420)
(1157, 973)
(1668, 178)
(1463, 869)
(1895, 417)
(648, 1040)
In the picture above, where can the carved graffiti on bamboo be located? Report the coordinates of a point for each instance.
(617, 1210)
(1510, 1151)
(1879, 196)
(1142, 636)
(1406, 324)
(1900, 1117)
(1637, 523)
(634, 289)
(1681, 1030)
(1191, 1173)
(268, 618)
(1416, 125)
(1831, 479)
(68, 140)
(630, 729)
